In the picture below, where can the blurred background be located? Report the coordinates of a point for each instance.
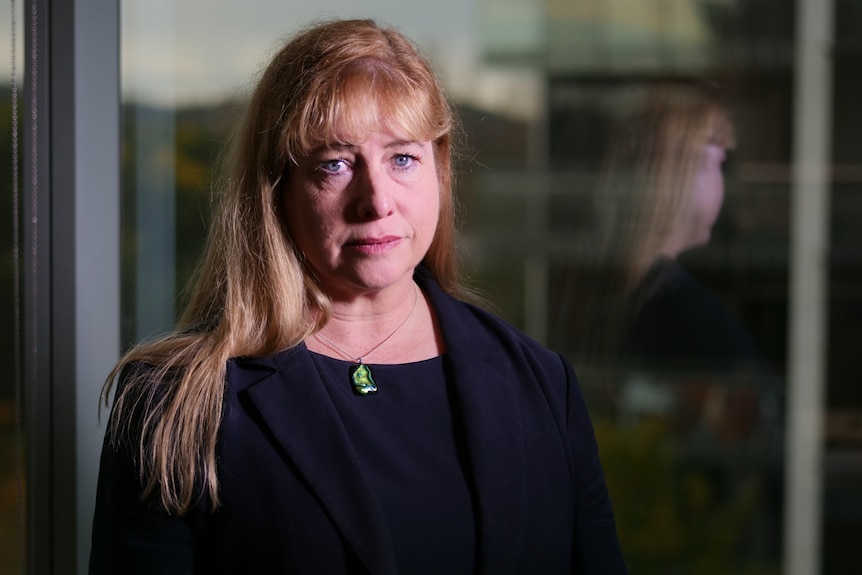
(716, 463)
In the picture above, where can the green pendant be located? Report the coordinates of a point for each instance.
(363, 383)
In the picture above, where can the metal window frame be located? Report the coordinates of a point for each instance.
(72, 299)
(809, 274)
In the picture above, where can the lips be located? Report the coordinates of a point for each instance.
(374, 245)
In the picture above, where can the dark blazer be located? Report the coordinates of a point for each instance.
(294, 500)
(675, 321)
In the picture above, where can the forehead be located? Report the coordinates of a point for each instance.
(371, 144)
(357, 119)
(359, 104)
(352, 132)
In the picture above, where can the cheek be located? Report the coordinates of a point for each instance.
(715, 195)
(289, 211)
(431, 209)
(709, 193)
(302, 218)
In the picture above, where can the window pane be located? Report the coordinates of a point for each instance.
(12, 478)
(687, 389)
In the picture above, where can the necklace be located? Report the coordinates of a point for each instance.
(360, 374)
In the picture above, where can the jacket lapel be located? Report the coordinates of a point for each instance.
(486, 405)
(299, 412)
(296, 407)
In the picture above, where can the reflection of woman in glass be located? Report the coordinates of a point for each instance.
(327, 404)
(638, 314)
(660, 193)
(663, 187)
(662, 348)
(673, 150)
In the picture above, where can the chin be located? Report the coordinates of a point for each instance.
(699, 244)
(381, 277)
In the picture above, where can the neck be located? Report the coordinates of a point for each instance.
(358, 329)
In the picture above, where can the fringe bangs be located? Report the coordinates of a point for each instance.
(364, 97)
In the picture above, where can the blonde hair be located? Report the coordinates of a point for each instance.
(645, 191)
(253, 296)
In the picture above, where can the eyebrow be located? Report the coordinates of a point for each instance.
(351, 147)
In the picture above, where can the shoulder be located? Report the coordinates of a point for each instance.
(676, 316)
(671, 291)
(140, 394)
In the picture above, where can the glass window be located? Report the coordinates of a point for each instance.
(12, 478)
(593, 219)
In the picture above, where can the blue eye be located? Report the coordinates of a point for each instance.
(333, 166)
(403, 160)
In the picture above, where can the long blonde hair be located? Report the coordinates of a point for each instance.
(645, 193)
(253, 296)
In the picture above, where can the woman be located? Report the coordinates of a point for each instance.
(662, 186)
(671, 355)
(663, 189)
(326, 404)
(659, 195)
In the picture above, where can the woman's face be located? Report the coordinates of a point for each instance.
(708, 194)
(364, 213)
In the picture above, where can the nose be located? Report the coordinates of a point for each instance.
(375, 199)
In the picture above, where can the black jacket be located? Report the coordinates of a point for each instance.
(294, 500)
